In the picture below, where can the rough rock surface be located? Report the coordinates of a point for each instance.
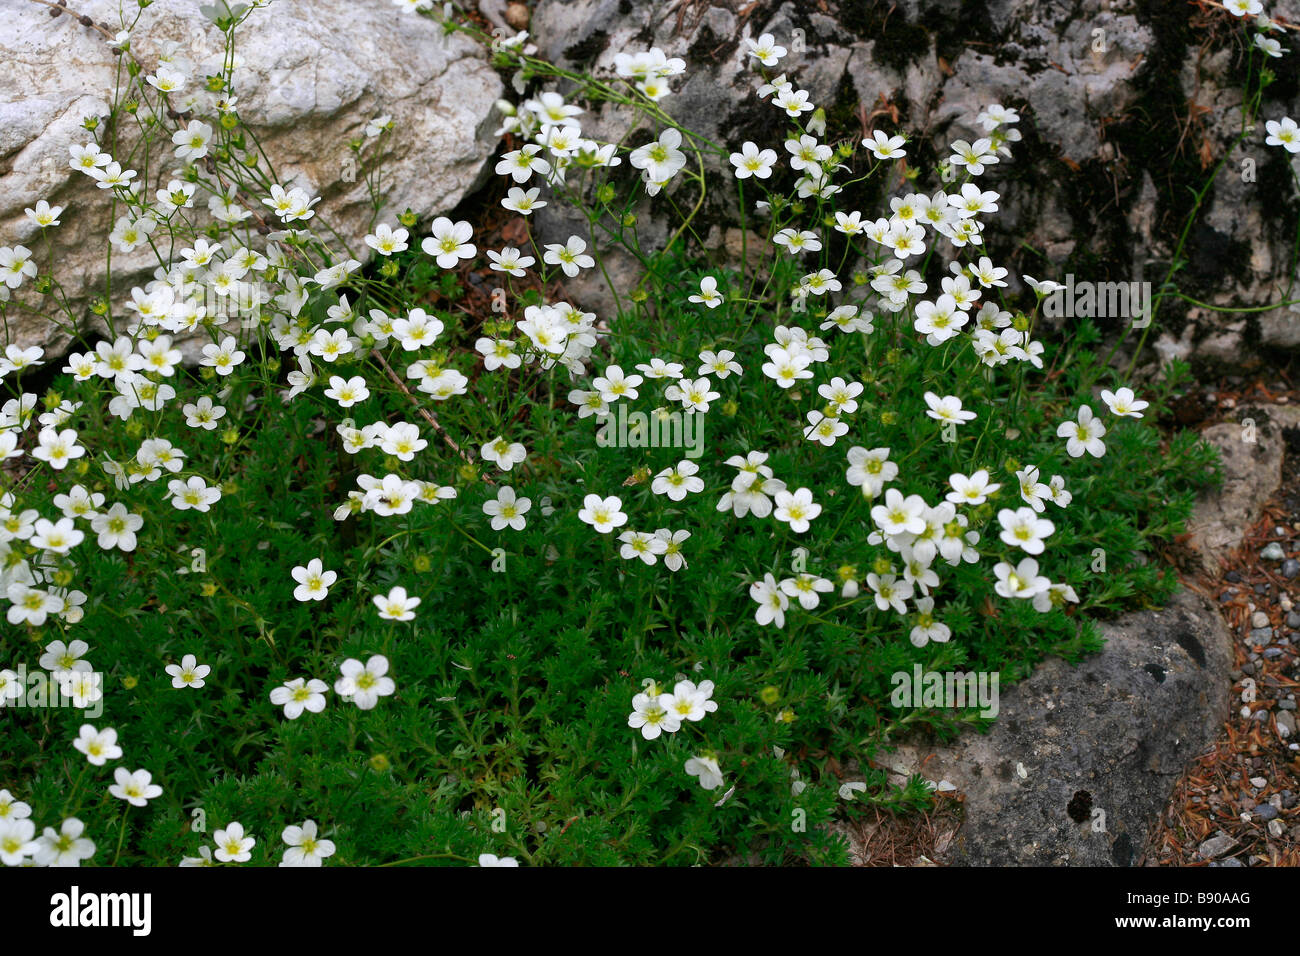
(1126, 104)
(1112, 734)
(310, 74)
(1081, 759)
(1251, 450)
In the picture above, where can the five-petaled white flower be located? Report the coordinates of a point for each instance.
(298, 695)
(364, 684)
(507, 510)
(603, 514)
(188, 673)
(1083, 435)
(449, 242)
(233, 846)
(314, 582)
(136, 788)
(306, 848)
(396, 605)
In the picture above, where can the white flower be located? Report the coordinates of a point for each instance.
(772, 601)
(386, 240)
(871, 470)
(947, 409)
(1023, 528)
(396, 605)
(449, 242)
(806, 589)
(305, 847)
(708, 294)
(507, 510)
(521, 201)
(192, 142)
(57, 448)
(30, 605)
(313, 580)
(614, 385)
(1021, 581)
(603, 514)
(974, 156)
(510, 261)
(1083, 435)
(364, 684)
(899, 515)
(751, 161)
(188, 673)
(796, 508)
(694, 394)
(707, 769)
(641, 544)
(504, 454)
(765, 49)
(786, 368)
(298, 695)
(651, 715)
(193, 493)
(1123, 403)
(135, 788)
(491, 859)
(232, 845)
(671, 549)
(99, 746)
(16, 841)
(347, 392)
(224, 357)
(64, 847)
(884, 146)
(678, 481)
(927, 629)
(889, 592)
(570, 256)
(972, 490)
(660, 159)
(1269, 46)
(44, 215)
(793, 102)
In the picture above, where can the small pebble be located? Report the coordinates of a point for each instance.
(1261, 635)
(1228, 595)
(1285, 723)
(1259, 619)
(1216, 846)
(1290, 568)
(1248, 668)
(1233, 576)
(1276, 828)
(1259, 783)
(1293, 619)
(1286, 705)
(1272, 653)
(1264, 812)
(1272, 552)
